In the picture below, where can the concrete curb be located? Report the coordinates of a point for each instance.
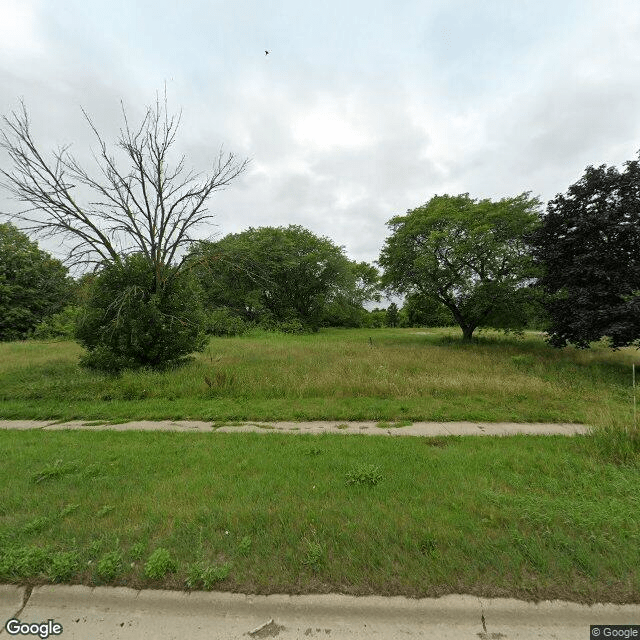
(423, 429)
(105, 612)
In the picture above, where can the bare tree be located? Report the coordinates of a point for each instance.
(150, 207)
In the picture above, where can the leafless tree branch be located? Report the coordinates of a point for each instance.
(150, 206)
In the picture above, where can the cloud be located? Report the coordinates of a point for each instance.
(359, 113)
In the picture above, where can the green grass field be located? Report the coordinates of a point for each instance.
(529, 516)
(405, 374)
(532, 517)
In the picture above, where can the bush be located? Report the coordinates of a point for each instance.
(60, 326)
(130, 320)
(291, 325)
(223, 323)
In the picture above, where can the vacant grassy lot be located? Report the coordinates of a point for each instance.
(335, 374)
(532, 517)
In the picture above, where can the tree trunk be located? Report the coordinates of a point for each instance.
(467, 333)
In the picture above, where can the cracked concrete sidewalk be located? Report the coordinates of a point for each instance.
(124, 614)
(428, 429)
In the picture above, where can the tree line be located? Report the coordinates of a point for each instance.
(153, 292)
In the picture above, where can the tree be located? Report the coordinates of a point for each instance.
(33, 285)
(346, 307)
(391, 319)
(127, 323)
(150, 207)
(422, 311)
(469, 255)
(589, 247)
(280, 274)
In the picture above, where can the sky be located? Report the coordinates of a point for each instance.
(361, 111)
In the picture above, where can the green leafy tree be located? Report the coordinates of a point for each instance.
(346, 307)
(376, 318)
(423, 311)
(589, 247)
(392, 318)
(130, 321)
(33, 285)
(280, 275)
(470, 255)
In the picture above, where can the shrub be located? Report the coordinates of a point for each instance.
(136, 318)
(61, 326)
(223, 322)
(290, 325)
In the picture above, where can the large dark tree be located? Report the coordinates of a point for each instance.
(33, 285)
(469, 255)
(589, 246)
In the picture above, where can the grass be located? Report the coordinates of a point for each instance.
(333, 375)
(529, 517)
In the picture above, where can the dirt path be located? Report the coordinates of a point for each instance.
(331, 426)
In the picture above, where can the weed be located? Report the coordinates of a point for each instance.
(92, 471)
(108, 508)
(137, 551)
(37, 525)
(435, 441)
(364, 475)
(221, 380)
(616, 444)
(95, 547)
(428, 544)
(244, 546)
(523, 360)
(57, 470)
(109, 566)
(70, 508)
(342, 426)
(313, 451)
(202, 575)
(159, 564)
(313, 554)
(394, 425)
(64, 565)
(23, 562)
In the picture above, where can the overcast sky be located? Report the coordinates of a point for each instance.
(361, 110)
